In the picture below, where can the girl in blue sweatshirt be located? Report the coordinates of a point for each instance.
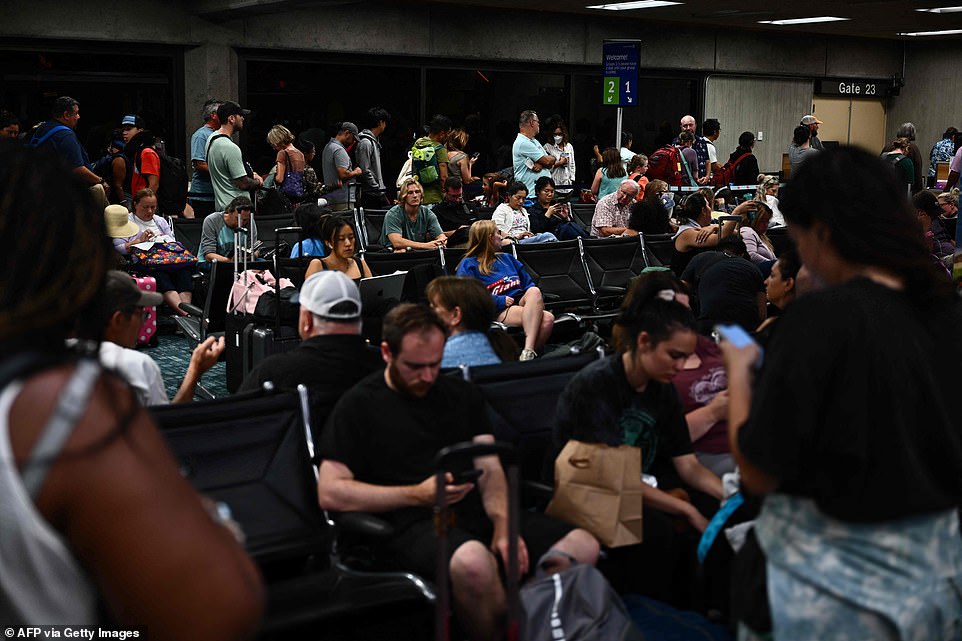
(517, 298)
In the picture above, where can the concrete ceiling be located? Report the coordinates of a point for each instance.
(869, 18)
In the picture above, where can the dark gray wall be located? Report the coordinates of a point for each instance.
(484, 34)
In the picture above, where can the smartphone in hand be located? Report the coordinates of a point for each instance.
(738, 337)
(466, 476)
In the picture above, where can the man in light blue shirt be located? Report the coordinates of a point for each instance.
(201, 190)
(529, 158)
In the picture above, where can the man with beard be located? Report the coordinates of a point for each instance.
(228, 173)
(377, 453)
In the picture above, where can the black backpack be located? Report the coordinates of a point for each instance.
(104, 167)
(173, 185)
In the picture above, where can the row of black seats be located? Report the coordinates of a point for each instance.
(188, 230)
(583, 276)
(255, 453)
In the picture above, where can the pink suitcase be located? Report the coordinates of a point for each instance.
(148, 331)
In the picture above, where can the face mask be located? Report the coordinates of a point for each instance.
(557, 139)
(668, 200)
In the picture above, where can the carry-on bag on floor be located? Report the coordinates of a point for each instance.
(147, 335)
(258, 342)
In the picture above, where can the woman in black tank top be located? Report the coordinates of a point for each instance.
(339, 238)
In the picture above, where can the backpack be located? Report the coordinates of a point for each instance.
(726, 175)
(173, 185)
(424, 161)
(36, 142)
(293, 185)
(665, 164)
(576, 604)
(406, 171)
(893, 158)
(104, 166)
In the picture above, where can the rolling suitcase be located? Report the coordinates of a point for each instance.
(259, 340)
(148, 331)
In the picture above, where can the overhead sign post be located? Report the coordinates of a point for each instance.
(620, 72)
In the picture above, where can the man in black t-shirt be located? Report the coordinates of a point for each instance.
(333, 355)
(454, 215)
(377, 453)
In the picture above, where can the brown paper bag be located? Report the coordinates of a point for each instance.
(598, 488)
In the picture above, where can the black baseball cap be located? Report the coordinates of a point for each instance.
(231, 108)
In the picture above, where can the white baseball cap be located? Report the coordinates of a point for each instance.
(331, 295)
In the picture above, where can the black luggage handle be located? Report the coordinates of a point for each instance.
(277, 275)
(460, 451)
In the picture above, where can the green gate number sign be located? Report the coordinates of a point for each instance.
(620, 73)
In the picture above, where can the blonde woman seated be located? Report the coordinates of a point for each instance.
(517, 299)
(949, 202)
(767, 193)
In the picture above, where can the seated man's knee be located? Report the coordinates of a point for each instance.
(473, 567)
(582, 545)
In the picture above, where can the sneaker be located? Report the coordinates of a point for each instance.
(528, 355)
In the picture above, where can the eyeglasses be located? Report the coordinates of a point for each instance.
(144, 313)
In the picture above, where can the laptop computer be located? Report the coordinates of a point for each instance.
(377, 289)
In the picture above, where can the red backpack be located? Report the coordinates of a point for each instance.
(726, 175)
(665, 164)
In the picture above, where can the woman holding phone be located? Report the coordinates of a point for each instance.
(860, 525)
(459, 164)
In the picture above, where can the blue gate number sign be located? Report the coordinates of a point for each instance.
(620, 73)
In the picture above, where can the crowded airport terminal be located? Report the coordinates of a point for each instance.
(468, 320)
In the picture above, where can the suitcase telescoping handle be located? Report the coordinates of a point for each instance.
(277, 274)
(445, 458)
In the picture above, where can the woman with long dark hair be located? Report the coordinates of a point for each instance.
(610, 175)
(310, 218)
(97, 519)
(852, 429)
(340, 241)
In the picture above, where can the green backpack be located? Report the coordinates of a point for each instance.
(424, 161)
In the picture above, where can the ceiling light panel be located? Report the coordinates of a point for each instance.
(804, 20)
(637, 4)
(942, 10)
(946, 32)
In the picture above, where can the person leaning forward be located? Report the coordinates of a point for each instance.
(377, 454)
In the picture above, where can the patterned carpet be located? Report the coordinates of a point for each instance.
(173, 354)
